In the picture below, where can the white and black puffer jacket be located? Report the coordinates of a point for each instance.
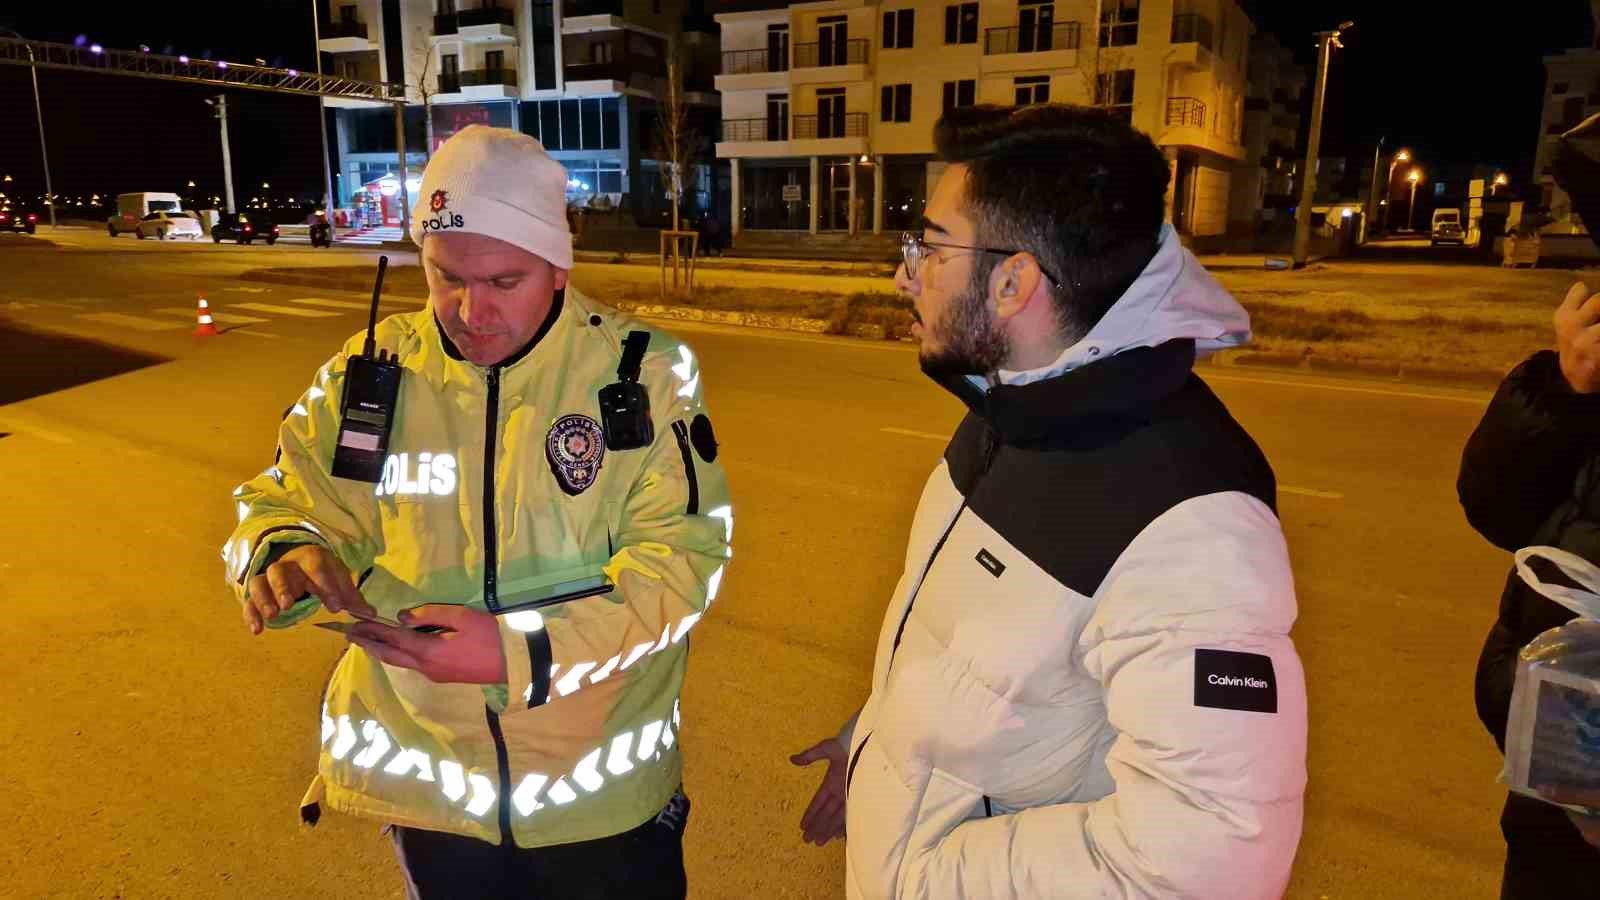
(1085, 684)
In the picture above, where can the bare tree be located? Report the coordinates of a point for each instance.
(427, 93)
(676, 140)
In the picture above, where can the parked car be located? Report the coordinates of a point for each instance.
(238, 227)
(164, 225)
(18, 220)
(1447, 227)
(133, 208)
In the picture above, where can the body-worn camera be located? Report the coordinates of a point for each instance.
(624, 406)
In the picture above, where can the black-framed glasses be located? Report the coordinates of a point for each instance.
(914, 249)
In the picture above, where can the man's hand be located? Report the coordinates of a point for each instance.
(824, 818)
(465, 651)
(307, 569)
(1578, 339)
(1588, 825)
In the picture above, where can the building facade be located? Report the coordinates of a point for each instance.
(828, 107)
(1263, 182)
(1571, 94)
(585, 77)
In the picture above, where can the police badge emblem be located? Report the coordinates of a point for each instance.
(575, 448)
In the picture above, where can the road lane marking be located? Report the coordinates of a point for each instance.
(285, 310)
(1309, 492)
(1282, 488)
(253, 333)
(352, 304)
(247, 290)
(137, 323)
(1349, 389)
(224, 318)
(916, 434)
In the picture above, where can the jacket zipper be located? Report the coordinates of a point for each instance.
(990, 446)
(490, 594)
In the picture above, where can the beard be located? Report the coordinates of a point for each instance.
(970, 341)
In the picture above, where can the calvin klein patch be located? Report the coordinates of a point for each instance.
(1228, 679)
(987, 560)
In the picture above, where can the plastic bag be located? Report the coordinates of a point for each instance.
(1553, 731)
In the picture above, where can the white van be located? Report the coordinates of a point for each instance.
(1447, 228)
(132, 209)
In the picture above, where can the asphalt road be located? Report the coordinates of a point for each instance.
(151, 747)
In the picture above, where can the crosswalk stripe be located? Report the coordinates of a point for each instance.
(224, 318)
(137, 323)
(351, 304)
(285, 310)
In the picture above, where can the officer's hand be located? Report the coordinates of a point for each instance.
(824, 818)
(307, 569)
(466, 651)
(1588, 825)
(1578, 339)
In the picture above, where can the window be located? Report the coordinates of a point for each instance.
(777, 117)
(447, 7)
(494, 60)
(961, 23)
(601, 52)
(449, 64)
(899, 29)
(1032, 89)
(1035, 26)
(830, 113)
(592, 136)
(349, 68)
(1114, 91)
(777, 48)
(959, 93)
(347, 15)
(571, 122)
(895, 104)
(1119, 23)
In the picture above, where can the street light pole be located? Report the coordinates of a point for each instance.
(38, 109)
(1411, 212)
(227, 158)
(322, 123)
(1371, 223)
(1326, 41)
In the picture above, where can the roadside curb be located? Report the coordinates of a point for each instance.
(1366, 368)
(803, 325)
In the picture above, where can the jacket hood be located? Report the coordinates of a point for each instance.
(1174, 298)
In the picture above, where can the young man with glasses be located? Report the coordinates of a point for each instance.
(1085, 684)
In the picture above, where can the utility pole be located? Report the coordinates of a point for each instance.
(1326, 41)
(221, 105)
(1370, 225)
(38, 109)
(330, 200)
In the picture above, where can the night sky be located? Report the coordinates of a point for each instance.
(1454, 86)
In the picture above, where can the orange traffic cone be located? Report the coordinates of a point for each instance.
(204, 328)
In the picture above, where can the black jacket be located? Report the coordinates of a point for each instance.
(1531, 475)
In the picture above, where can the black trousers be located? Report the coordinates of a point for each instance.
(1546, 857)
(645, 863)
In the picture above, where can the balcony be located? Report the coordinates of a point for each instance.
(1191, 28)
(842, 134)
(828, 127)
(1060, 36)
(488, 23)
(345, 37)
(834, 53)
(610, 77)
(479, 84)
(830, 62)
(579, 16)
(1186, 111)
(1019, 49)
(763, 69)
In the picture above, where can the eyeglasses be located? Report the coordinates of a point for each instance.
(913, 249)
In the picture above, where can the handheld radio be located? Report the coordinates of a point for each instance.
(366, 413)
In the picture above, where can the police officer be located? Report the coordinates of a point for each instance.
(535, 752)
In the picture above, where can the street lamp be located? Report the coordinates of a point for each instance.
(1327, 41)
(1500, 181)
(1411, 213)
(38, 109)
(1400, 156)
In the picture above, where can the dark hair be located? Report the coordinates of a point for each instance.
(1075, 186)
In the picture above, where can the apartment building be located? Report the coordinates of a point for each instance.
(1263, 182)
(1571, 94)
(828, 107)
(585, 77)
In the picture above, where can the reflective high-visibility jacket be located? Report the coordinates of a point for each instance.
(490, 490)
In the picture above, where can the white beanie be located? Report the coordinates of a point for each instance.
(500, 183)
